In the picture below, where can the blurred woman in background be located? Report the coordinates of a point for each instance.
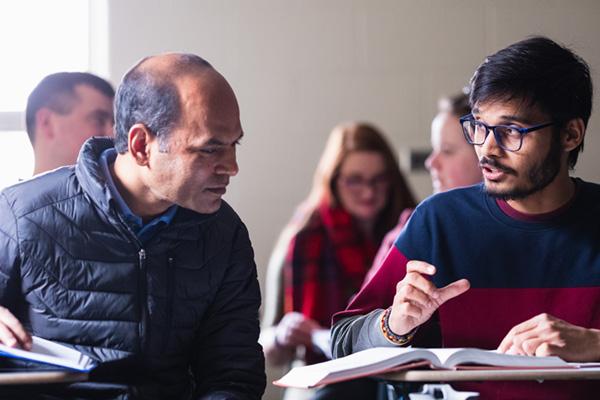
(323, 254)
(452, 162)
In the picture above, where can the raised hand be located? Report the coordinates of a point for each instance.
(12, 333)
(417, 298)
(545, 335)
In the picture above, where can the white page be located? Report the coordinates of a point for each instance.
(52, 353)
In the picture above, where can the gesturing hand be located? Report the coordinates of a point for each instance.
(545, 335)
(12, 333)
(417, 298)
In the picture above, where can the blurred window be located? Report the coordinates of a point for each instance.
(39, 37)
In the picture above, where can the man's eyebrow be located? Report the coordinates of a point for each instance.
(509, 118)
(217, 142)
(100, 111)
(516, 118)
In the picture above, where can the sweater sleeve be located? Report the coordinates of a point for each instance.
(356, 333)
(358, 327)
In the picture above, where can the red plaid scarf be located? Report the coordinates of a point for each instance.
(325, 265)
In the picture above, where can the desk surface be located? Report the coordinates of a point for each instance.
(491, 375)
(32, 377)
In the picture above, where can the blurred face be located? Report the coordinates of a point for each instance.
(363, 184)
(91, 116)
(201, 157)
(453, 162)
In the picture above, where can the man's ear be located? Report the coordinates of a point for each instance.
(139, 143)
(573, 134)
(43, 123)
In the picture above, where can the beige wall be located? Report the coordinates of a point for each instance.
(299, 67)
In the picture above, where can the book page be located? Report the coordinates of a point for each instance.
(362, 363)
(452, 358)
(382, 359)
(49, 352)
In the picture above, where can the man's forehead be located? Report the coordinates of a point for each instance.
(517, 108)
(86, 90)
(209, 94)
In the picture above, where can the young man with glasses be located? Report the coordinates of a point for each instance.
(512, 263)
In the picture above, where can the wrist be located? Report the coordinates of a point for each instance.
(390, 335)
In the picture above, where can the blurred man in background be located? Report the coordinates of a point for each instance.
(63, 111)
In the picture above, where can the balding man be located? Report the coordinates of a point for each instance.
(132, 257)
(63, 111)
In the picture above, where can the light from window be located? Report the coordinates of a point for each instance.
(16, 157)
(40, 37)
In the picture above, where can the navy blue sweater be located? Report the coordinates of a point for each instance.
(519, 266)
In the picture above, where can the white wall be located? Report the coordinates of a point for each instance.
(299, 67)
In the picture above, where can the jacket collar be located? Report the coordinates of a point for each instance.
(94, 181)
(89, 171)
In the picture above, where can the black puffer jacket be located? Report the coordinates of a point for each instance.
(177, 318)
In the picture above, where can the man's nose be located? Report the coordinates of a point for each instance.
(228, 164)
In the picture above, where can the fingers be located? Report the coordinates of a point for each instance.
(545, 335)
(417, 297)
(12, 333)
(414, 277)
(295, 329)
(420, 267)
(519, 334)
(427, 294)
(414, 269)
(452, 290)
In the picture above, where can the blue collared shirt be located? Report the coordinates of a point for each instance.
(144, 232)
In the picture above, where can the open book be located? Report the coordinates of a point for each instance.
(384, 359)
(48, 352)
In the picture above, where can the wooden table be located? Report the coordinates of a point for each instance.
(33, 377)
(417, 375)
(436, 376)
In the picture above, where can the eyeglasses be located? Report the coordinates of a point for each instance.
(356, 182)
(508, 137)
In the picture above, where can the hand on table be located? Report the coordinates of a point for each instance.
(295, 329)
(545, 335)
(12, 333)
(417, 298)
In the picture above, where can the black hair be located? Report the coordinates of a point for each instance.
(57, 92)
(548, 75)
(151, 98)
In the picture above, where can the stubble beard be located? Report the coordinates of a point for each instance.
(540, 175)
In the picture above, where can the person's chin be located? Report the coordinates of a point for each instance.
(496, 186)
(367, 214)
(437, 186)
(208, 206)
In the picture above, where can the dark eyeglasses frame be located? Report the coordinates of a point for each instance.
(523, 131)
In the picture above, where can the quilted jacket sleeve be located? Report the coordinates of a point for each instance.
(9, 259)
(230, 362)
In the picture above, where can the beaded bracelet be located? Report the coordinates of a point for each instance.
(391, 336)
